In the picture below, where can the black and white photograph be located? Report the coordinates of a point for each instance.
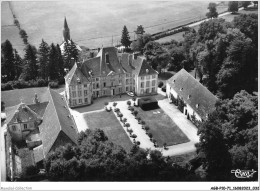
(129, 95)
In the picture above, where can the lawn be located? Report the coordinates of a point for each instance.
(162, 127)
(108, 122)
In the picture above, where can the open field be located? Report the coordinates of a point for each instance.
(179, 36)
(162, 127)
(93, 24)
(108, 122)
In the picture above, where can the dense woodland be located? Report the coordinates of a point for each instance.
(225, 58)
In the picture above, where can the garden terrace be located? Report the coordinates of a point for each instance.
(108, 122)
(163, 129)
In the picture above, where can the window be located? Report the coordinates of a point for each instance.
(97, 79)
(14, 128)
(142, 84)
(73, 87)
(142, 78)
(97, 85)
(104, 92)
(112, 83)
(85, 92)
(153, 76)
(80, 101)
(86, 100)
(147, 90)
(153, 83)
(74, 94)
(93, 85)
(127, 75)
(85, 85)
(148, 77)
(104, 85)
(147, 83)
(79, 93)
(120, 81)
(127, 81)
(24, 126)
(79, 87)
(126, 88)
(74, 102)
(142, 91)
(153, 90)
(120, 90)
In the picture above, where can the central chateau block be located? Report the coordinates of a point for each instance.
(110, 73)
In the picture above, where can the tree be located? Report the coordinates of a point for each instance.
(140, 42)
(128, 103)
(71, 54)
(24, 36)
(248, 24)
(43, 60)
(30, 70)
(228, 139)
(245, 4)
(125, 38)
(53, 63)
(156, 56)
(74, 51)
(233, 6)
(212, 11)
(7, 65)
(140, 30)
(177, 57)
(18, 64)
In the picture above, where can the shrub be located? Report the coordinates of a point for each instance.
(134, 136)
(6, 86)
(139, 119)
(114, 104)
(146, 128)
(42, 82)
(116, 110)
(148, 103)
(135, 113)
(53, 84)
(138, 142)
(61, 81)
(164, 88)
(128, 103)
(30, 170)
(160, 84)
(150, 135)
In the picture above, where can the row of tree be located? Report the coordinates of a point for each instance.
(47, 63)
(95, 158)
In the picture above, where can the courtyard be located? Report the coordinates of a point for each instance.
(108, 122)
(163, 129)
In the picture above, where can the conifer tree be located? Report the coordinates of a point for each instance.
(30, 70)
(18, 64)
(67, 54)
(43, 60)
(125, 39)
(53, 63)
(7, 65)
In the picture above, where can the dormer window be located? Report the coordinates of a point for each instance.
(197, 105)
(24, 126)
(189, 96)
(181, 89)
(147, 70)
(78, 80)
(173, 81)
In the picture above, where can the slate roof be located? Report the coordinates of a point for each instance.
(75, 75)
(186, 85)
(138, 66)
(38, 153)
(21, 114)
(54, 112)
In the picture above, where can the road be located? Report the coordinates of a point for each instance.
(3, 161)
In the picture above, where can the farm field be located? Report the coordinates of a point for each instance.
(108, 122)
(92, 28)
(179, 36)
(162, 127)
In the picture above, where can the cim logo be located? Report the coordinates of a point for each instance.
(243, 173)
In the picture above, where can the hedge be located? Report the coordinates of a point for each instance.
(160, 84)
(148, 103)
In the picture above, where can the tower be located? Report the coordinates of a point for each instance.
(66, 31)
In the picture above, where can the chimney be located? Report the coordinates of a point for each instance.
(36, 100)
(106, 58)
(130, 57)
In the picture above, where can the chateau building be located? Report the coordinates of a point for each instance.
(196, 100)
(109, 73)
